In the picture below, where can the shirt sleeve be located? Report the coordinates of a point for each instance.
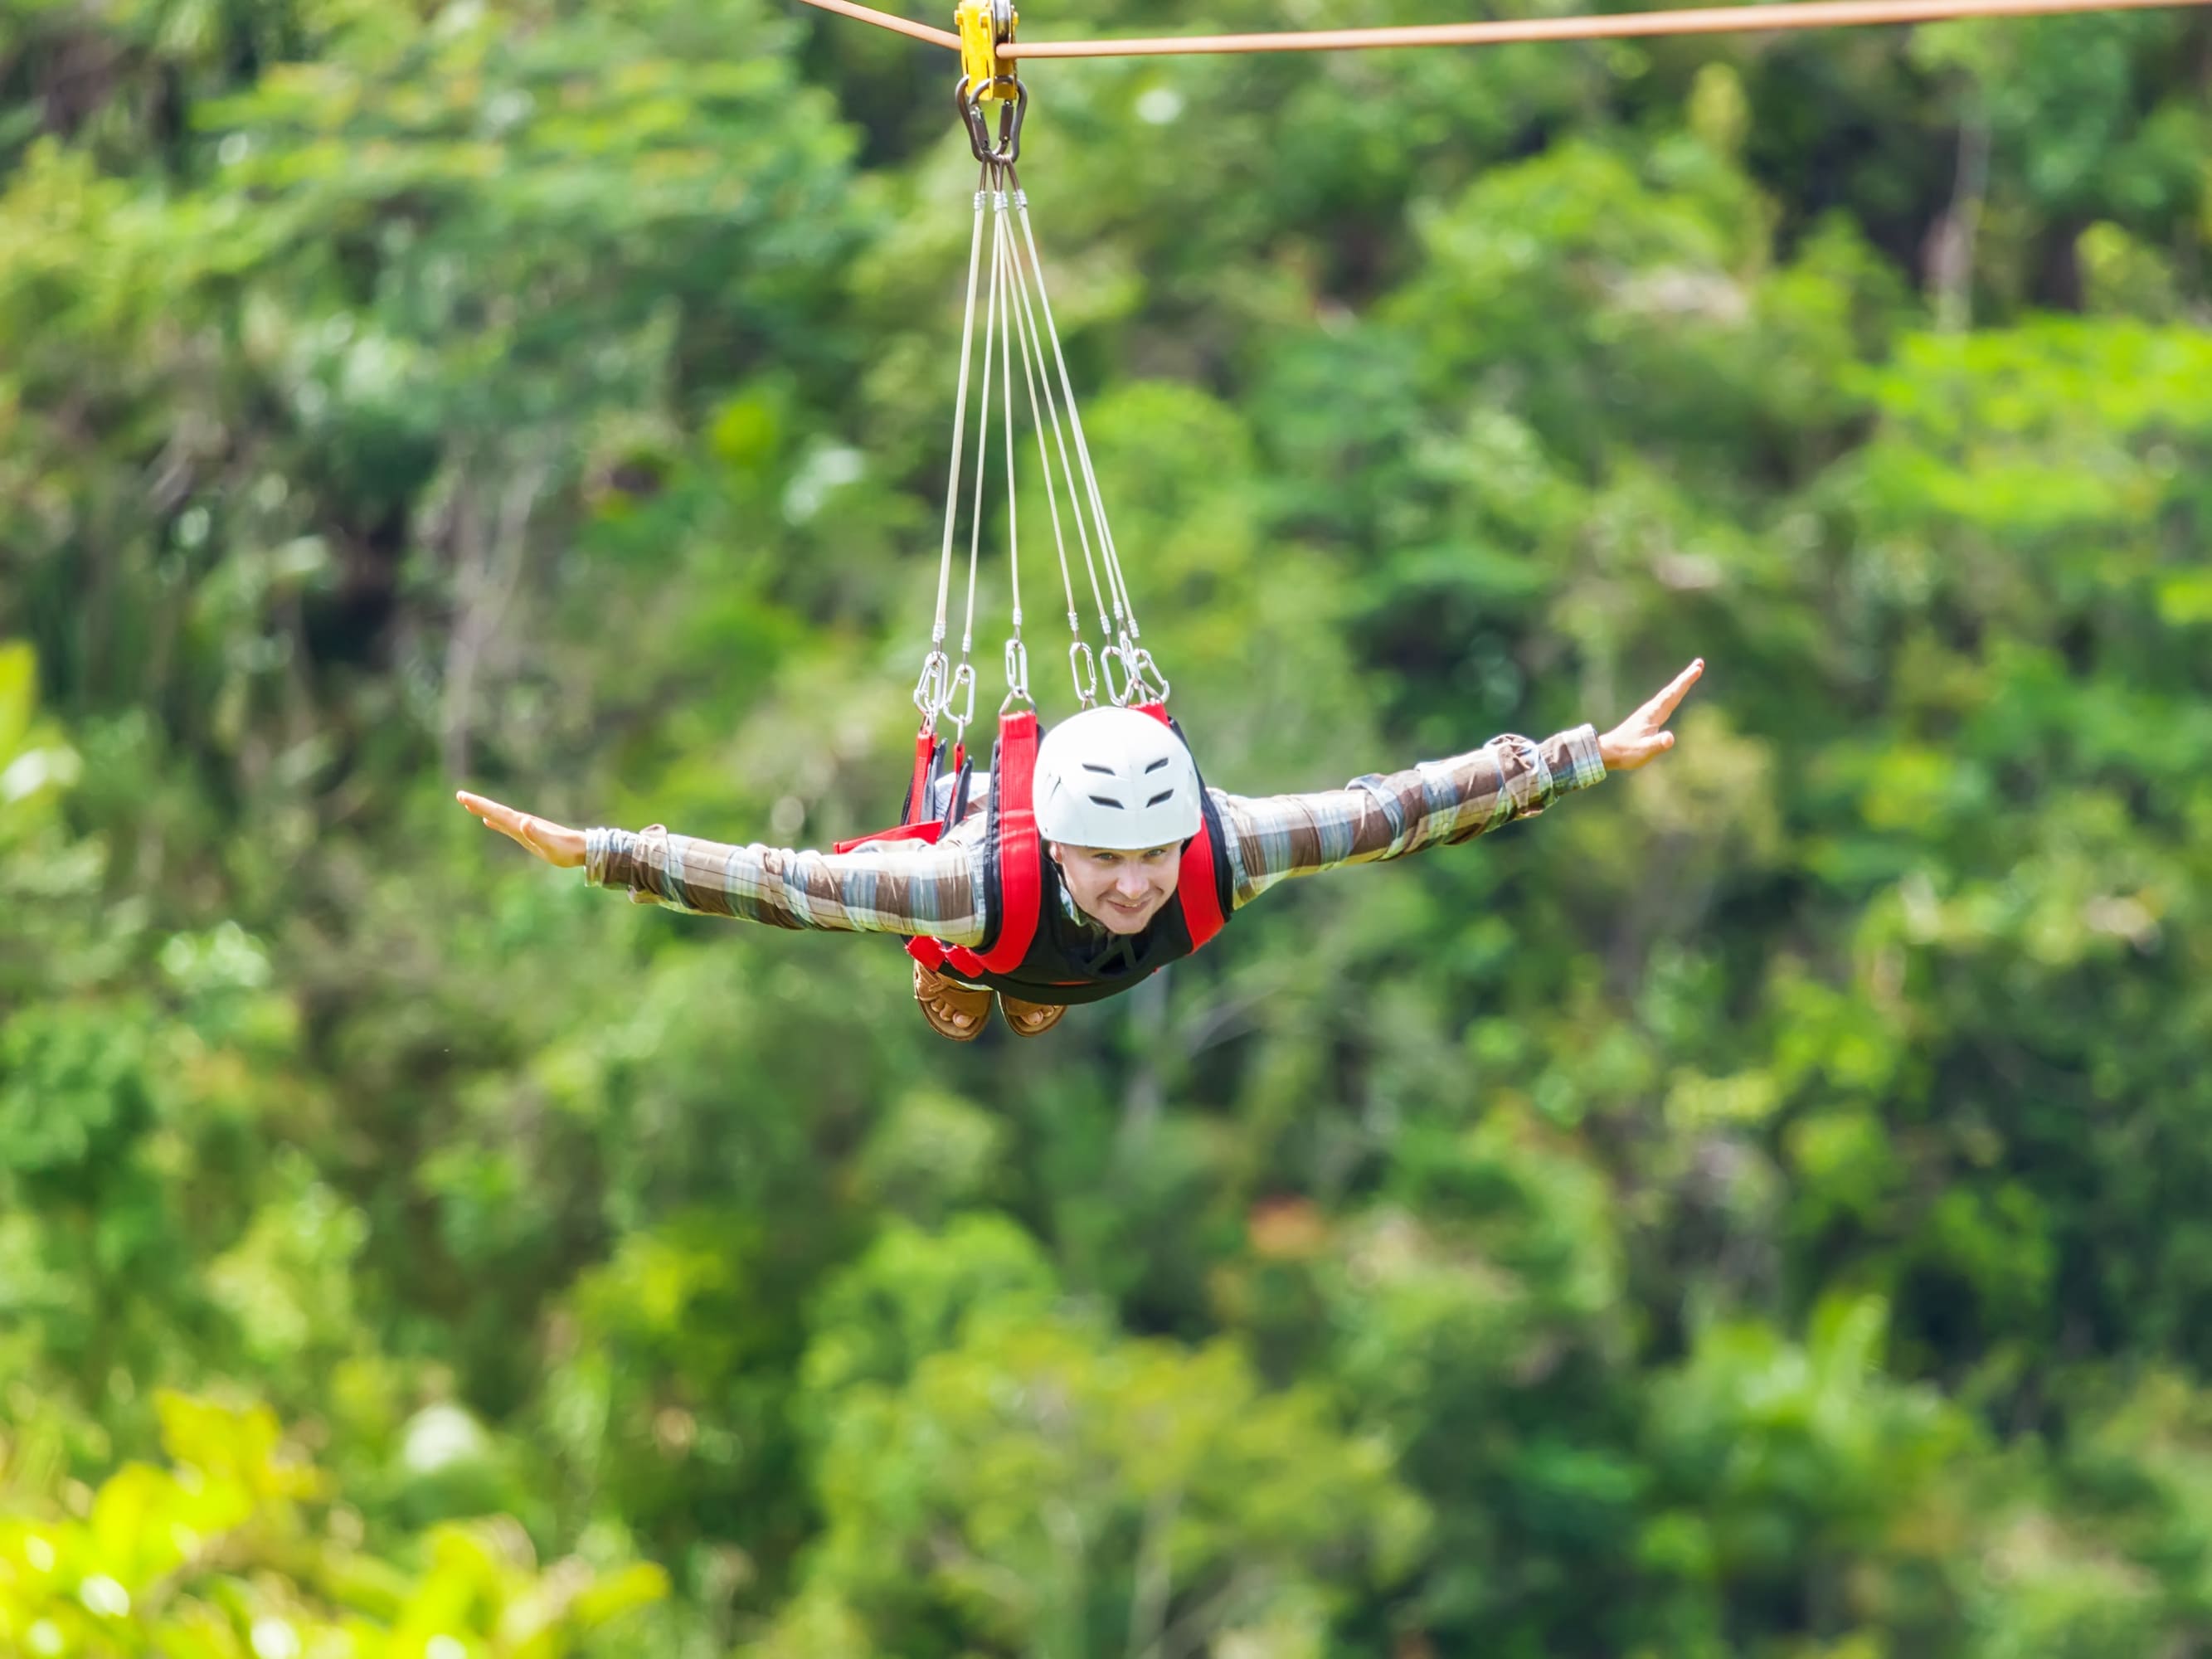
(1274, 836)
(889, 887)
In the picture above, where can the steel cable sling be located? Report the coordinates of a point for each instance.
(1005, 281)
(1005, 290)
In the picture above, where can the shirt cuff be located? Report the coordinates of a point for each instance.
(620, 858)
(1585, 764)
(606, 851)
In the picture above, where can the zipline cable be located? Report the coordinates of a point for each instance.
(884, 19)
(1707, 20)
(1603, 26)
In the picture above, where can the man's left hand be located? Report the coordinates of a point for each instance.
(1641, 737)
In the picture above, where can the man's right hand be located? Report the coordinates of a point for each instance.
(558, 845)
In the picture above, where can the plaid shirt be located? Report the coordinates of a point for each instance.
(907, 887)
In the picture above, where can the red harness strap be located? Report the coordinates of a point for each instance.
(1021, 884)
(1021, 879)
(1201, 899)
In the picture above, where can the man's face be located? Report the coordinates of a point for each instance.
(1122, 891)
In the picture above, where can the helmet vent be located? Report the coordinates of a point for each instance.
(1158, 763)
(1164, 794)
(1093, 766)
(1102, 801)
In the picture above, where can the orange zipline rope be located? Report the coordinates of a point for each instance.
(1705, 20)
(884, 19)
(1605, 25)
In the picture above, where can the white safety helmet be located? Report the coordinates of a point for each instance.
(1114, 778)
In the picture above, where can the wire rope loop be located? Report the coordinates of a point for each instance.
(1006, 148)
(1017, 669)
(1083, 668)
(963, 679)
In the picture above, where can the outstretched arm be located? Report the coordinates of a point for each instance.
(901, 887)
(1376, 817)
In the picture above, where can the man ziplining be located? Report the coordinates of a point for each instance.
(1140, 862)
(1096, 855)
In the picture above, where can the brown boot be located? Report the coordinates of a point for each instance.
(952, 1009)
(1029, 1018)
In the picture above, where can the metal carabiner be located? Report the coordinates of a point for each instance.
(1119, 695)
(930, 690)
(1013, 106)
(1083, 668)
(1017, 669)
(1149, 677)
(962, 676)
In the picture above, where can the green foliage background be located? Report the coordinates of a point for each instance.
(1759, 1209)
